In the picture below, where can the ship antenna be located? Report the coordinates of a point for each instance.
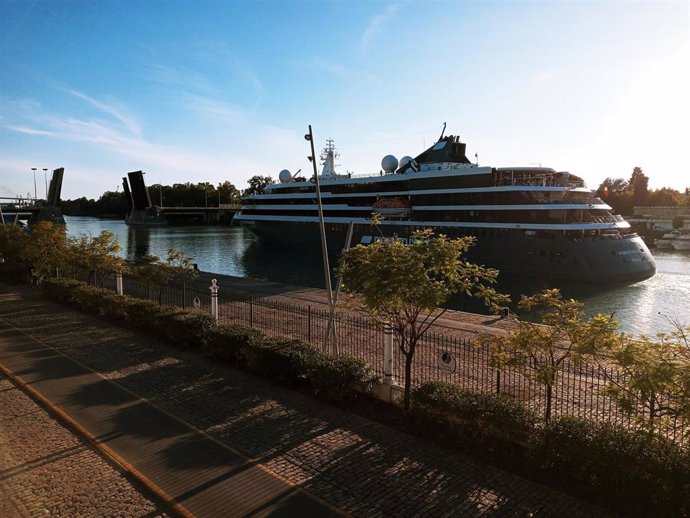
(442, 132)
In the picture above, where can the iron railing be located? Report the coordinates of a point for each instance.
(581, 389)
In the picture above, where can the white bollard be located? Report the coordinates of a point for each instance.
(214, 298)
(388, 354)
(118, 283)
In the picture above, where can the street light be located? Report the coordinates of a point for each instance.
(45, 179)
(35, 194)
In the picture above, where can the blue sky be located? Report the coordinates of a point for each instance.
(223, 90)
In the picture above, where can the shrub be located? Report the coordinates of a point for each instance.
(497, 422)
(283, 359)
(225, 342)
(642, 472)
(334, 377)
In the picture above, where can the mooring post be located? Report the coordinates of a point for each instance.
(118, 283)
(214, 298)
(387, 354)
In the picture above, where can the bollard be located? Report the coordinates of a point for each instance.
(118, 283)
(214, 298)
(387, 354)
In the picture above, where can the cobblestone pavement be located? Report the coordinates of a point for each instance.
(362, 467)
(46, 471)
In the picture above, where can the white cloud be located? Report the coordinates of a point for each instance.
(116, 110)
(376, 25)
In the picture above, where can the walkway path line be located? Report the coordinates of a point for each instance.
(143, 442)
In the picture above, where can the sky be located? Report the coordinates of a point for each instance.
(209, 91)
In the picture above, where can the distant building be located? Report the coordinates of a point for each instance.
(659, 218)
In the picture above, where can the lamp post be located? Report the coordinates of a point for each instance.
(35, 193)
(45, 179)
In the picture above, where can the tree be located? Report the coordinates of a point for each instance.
(639, 185)
(612, 186)
(162, 274)
(616, 192)
(654, 375)
(539, 349)
(257, 184)
(664, 197)
(13, 241)
(97, 255)
(228, 193)
(46, 249)
(404, 285)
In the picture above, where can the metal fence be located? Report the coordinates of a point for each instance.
(580, 389)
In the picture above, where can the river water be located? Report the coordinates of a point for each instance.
(642, 308)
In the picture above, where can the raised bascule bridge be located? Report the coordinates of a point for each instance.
(142, 211)
(27, 211)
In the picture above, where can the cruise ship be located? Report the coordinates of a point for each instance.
(533, 221)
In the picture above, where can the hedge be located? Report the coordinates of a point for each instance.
(632, 471)
(640, 471)
(333, 377)
(497, 423)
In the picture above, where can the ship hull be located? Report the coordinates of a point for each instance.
(593, 260)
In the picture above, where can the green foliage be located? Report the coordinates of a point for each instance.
(278, 358)
(331, 377)
(257, 184)
(646, 474)
(177, 195)
(225, 343)
(110, 203)
(493, 422)
(624, 195)
(335, 377)
(161, 274)
(46, 250)
(405, 284)
(540, 349)
(13, 241)
(96, 255)
(655, 380)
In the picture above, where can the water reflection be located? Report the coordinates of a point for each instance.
(641, 308)
(138, 242)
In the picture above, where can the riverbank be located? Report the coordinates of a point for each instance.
(451, 323)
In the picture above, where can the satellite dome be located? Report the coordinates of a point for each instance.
(404, 161)
(284, 176)
(389, 164)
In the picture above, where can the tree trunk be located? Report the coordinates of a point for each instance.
(408, 379)
(549, 393)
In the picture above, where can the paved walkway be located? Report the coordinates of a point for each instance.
(217, 442)
(46, 470)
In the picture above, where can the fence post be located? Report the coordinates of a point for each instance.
(214, 298)
(118, 283)
(387, 354)
(308, 323)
